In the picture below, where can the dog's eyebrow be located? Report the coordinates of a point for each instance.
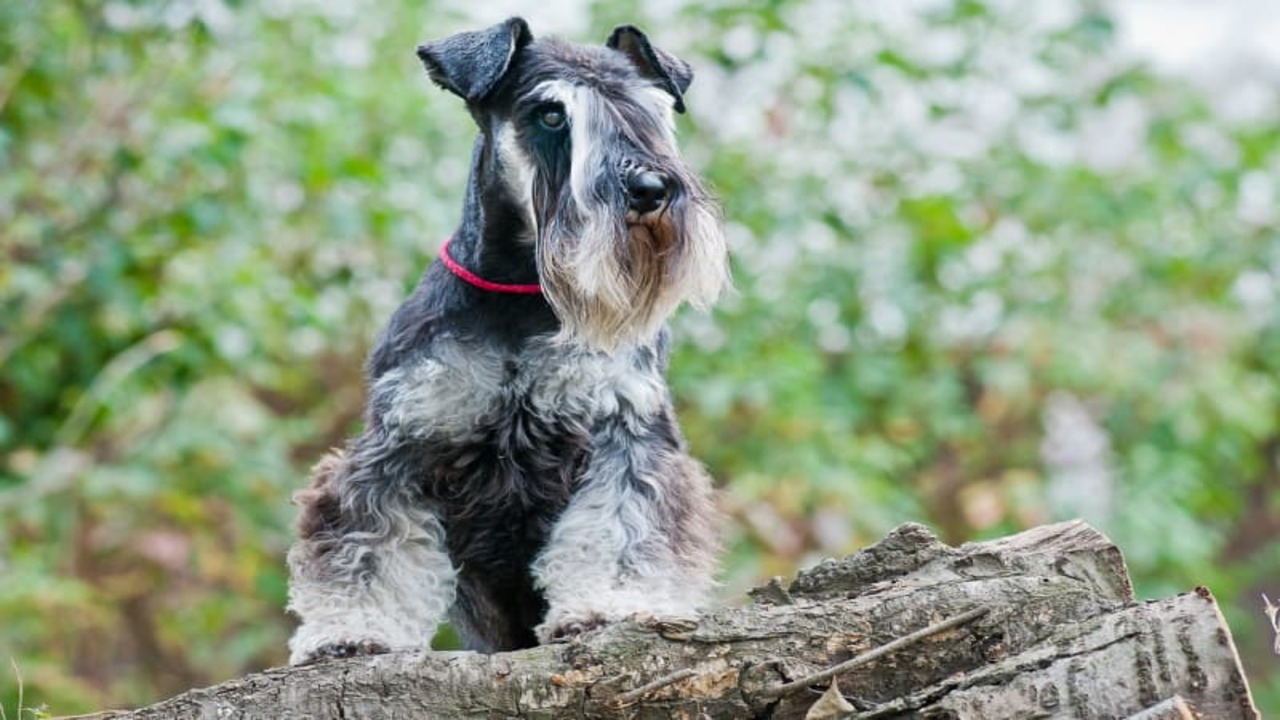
(560, 91)
(534, 96)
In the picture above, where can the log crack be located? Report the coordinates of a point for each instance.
(967, 681)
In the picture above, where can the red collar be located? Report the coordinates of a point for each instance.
(474, 280)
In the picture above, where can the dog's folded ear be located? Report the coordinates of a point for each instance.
(470, 64)
(669, 71)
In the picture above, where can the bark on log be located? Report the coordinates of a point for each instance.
(1043, 625)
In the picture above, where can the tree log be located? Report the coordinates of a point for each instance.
(1042, 624)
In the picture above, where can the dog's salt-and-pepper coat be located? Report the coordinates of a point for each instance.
(521, 472)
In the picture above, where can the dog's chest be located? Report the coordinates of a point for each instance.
(485, 400)
(506, 437)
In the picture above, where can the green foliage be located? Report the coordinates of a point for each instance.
(989, 274)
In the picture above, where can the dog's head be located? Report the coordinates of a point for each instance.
(583, 150)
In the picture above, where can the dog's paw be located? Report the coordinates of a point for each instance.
(569, 626)
(339, 650)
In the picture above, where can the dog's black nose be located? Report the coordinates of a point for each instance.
(646, 192)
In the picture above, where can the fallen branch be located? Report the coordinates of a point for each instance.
(779, 691)
(1040, 624)
(631, 696)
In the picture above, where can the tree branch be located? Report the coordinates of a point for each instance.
(1040, 624)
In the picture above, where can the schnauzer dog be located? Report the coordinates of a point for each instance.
(521, 472)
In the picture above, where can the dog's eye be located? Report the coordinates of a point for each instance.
(551, 118)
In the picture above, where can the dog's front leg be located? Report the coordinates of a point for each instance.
(637, 539)
(369, 572)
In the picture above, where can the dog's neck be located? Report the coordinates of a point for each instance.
(495, 239)
(493, 244)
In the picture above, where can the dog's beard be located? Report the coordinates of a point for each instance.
(613, 282)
